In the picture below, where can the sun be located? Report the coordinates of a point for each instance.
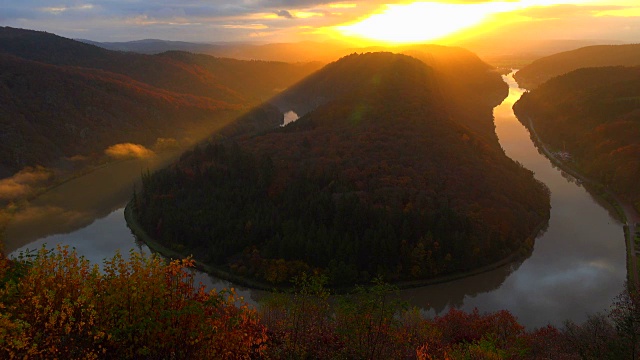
(422, 21)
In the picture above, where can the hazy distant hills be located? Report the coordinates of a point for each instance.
(595, 114)
(182, 72)
(89, 97)
(548, 67)
(305, 51)
(494, 50)
(379, 176)
(155, 46)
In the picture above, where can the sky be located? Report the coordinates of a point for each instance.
(356, 21)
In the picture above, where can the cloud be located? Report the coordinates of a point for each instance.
(343, 6)
(61, 9)
(246, 26)
(166, 144)
(516, 30)
(621, 12)
(12, 190)
(562, 11)
(297, 3)
(125, 20)
(24, 183)
(284, 14)
(34, 222)
(128, 151)
(31, 214)
(197, 20)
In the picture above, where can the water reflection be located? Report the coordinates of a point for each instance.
(439, 298)
(97, 241)
(578, 264)
(104, 237)
(75, 204)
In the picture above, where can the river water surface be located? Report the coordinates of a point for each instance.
(577, 266)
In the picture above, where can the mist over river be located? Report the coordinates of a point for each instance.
(577, 266)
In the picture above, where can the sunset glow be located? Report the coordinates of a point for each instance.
(358, 22)
(421, 21)
(428, 21)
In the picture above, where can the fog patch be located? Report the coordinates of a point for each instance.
(77, 158)
(289, 117)
(128, 151)
(166, 144)
(30, 223)
(59, 216)
(24, 182)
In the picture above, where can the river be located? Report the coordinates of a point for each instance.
(577, 266)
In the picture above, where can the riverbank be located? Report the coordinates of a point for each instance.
(627, 214)
(519, 255)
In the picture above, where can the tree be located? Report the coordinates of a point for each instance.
(136, 308)
(625, 315)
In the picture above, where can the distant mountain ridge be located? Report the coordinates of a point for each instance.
(548, 67)
(305, 51)
(155, 46)
(162, 70)
(494, 50)
(378, 176)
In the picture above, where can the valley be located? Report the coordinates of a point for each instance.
(535, 289)
(325, 199)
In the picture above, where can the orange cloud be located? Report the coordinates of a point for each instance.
(24, 182)
(621, 12)
(166, 144)
(128, 151)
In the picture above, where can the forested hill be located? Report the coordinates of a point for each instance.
(472, 87)
(51, 112)
(60, 98)
(548, 67)
(220, 78)
(379, 178)
(595, 115)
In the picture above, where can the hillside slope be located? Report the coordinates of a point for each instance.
(472, 88)
(223, 79)
(594, 114)
(541, 70)
(89, 98)
(79, 111)
(377, 178)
